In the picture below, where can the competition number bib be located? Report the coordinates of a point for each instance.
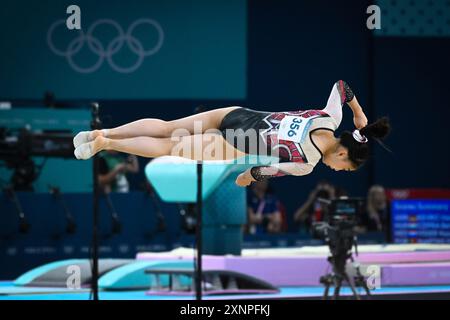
(293, 128)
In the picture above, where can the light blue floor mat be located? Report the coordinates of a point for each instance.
(286, 292)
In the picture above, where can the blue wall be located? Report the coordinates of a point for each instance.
(412, 87)
(126, 49)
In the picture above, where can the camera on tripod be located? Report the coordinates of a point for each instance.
(340, 220)
(337, 230)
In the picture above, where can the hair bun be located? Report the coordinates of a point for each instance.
(378, 129)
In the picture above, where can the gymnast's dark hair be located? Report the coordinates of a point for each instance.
(358, 152)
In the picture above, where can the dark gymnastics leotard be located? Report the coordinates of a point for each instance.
(284, 134)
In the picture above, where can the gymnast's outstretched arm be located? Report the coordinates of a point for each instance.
(342, 93)
(259, 173)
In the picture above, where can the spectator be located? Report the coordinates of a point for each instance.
(263, 211)
(314, 210)
(113, 169)
(377, 213)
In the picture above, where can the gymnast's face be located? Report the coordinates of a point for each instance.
(338, 160)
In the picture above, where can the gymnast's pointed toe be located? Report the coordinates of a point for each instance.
(84, 151)
(81, 137)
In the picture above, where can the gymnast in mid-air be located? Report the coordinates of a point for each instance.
(299, 139)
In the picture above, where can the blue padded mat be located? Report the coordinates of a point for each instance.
(286, 292)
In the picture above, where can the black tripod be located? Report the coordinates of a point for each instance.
(24, 226)
(340, 254)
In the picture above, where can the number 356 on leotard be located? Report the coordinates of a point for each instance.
(293, 128)
(295, 125)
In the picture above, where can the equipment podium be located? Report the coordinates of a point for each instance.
(224, 203)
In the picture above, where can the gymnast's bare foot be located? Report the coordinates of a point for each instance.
(89, 149)
(86, 136)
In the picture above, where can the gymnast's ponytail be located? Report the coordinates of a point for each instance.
(379, 129)
(357, 141)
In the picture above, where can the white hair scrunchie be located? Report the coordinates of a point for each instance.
(359, 137)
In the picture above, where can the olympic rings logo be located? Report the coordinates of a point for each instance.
(112, 48)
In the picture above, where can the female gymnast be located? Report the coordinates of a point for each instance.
(299, 139)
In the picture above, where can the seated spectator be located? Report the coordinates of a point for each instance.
(314, 210)
(263, 211)
(113, 169)
(377, 214)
